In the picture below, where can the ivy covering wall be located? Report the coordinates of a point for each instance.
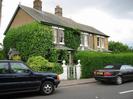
(30, 40)
(72, 38)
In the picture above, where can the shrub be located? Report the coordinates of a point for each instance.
(16, 57)
(91, 61)
(40, 64)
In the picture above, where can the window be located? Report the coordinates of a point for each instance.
(19, 68)
(102, 42)
(58, 35)
(98, 41)
(84, 39)
(61, 36)
(3, 68)
(55, 35)
(129, 67)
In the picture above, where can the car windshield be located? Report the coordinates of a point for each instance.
(112, 67)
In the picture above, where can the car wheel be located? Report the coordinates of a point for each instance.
(47, 88)
(119, 80)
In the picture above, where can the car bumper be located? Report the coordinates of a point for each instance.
(56, 83)
(106, 79)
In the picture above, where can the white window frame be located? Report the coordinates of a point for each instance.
(57, 35)
(99, 45)
(102, 42)
(86, 39)
(60, 36)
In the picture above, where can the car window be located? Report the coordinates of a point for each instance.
(109, 67)
(112, 67)
(19, 68)
(125, 67)
(3, 68)
(128, 67)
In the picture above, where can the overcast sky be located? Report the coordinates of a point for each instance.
(113, 17)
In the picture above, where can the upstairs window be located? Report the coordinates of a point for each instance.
(98, 42)
(61, 36)
(84, 39)
(102, 42)
(58, 35)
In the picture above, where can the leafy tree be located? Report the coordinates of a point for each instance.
(118, 47)
(30, 40)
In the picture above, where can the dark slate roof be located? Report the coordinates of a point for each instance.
(53, 19)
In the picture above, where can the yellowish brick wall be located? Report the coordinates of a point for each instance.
(21, 18)
(95, 41)
(91, 41)
(106, 42)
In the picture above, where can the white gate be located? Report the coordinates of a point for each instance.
(71, 71)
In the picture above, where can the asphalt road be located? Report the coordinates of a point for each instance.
(84, 91)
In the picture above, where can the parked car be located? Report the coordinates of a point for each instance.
(16, 77)
(114, 73)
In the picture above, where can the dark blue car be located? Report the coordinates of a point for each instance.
(17, 77)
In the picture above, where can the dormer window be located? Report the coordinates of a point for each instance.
(58, 35)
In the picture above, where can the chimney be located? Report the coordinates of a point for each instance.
(37, 4)
(0, 10)
(58, 11)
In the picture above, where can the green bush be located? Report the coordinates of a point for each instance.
(31, 39)
(91, 61)
(40, 64)
(16, 57)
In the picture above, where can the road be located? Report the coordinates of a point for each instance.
(84, 91)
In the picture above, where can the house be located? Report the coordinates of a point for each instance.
(91, 38)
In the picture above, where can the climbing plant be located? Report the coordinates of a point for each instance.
(30, 40)
(72, 38)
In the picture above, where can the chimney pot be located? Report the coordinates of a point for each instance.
(37, 4)
(58, 11)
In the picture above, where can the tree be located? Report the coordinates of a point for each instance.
(31, 39)
(118, 47)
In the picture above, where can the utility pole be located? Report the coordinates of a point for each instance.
(0, 10)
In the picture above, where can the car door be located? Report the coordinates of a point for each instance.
(23, 78)
(125, 73)
(5, 78)
(129, 69)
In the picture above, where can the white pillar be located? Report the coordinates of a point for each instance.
(78, 70)
(63, 76)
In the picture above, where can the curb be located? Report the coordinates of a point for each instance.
(79, 83)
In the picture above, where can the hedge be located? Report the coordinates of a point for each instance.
(91, 61)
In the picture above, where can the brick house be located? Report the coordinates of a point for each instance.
(91, 38)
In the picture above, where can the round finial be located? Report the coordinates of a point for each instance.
(64, 62)
(78, 61)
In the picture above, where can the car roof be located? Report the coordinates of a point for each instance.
(9, 61)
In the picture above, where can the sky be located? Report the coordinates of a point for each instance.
(112, 17)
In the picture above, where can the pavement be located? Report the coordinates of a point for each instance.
(65, 83)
